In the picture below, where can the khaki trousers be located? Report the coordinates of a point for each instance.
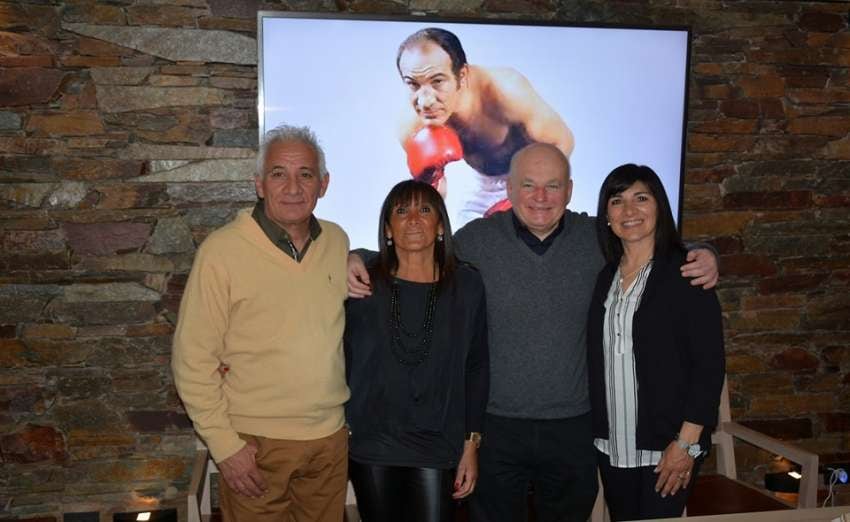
(306, 480)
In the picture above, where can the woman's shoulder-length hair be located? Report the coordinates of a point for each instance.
(667, 239)
(417, 192)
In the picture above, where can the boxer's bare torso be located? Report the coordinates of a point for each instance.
(498, 113)
(490, 152)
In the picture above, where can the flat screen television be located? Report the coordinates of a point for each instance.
(620, 93)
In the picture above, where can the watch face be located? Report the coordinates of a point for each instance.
(694, 450)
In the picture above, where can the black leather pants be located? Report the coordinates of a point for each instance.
(402, 494)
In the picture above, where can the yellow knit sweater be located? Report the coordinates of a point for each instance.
(276, 323)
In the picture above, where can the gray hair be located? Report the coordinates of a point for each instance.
(284, 133)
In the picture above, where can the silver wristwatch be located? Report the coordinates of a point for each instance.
(694, 450)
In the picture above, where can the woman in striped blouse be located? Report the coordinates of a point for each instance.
(655, 353)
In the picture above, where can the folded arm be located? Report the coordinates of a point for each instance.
(199, 373)
(196, 355)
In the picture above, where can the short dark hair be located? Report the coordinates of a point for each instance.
(403, 193)
(667, 238)
(445, 39)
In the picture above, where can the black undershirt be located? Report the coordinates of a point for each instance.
(533, 242)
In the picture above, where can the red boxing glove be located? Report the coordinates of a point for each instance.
(429, 150)
(499, 206)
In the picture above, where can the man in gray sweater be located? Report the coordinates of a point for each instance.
(539, 264)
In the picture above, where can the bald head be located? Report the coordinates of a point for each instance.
(539, 187)
(540, 152)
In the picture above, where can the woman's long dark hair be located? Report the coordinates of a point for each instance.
(404, 193)
(667, 238)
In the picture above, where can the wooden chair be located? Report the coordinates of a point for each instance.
(723, 493)
(199, 498)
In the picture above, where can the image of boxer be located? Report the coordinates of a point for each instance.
(458, 110)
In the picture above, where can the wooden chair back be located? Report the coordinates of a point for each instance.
(723, 442)
(738, 495)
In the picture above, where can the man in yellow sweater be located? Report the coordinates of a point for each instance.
(265, 300)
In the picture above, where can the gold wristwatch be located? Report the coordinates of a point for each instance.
(475, 438)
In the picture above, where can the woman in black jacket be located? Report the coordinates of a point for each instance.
(418, 367)
(655, 353)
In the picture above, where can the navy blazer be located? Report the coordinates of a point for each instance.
(678, 351)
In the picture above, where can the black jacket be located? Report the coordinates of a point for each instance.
(455, 376)
(678, 351)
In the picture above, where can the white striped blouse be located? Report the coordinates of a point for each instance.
(620, 380)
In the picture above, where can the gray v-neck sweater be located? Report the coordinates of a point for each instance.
(537, 314)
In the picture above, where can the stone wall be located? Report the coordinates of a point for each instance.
(127, 132)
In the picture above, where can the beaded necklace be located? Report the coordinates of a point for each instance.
(404, 354)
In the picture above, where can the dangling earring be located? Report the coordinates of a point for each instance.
(389, 241)
(439, 238)
(609, 223)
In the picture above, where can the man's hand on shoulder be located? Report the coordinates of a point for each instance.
(702, 267)
(241, 473)
(359, 285)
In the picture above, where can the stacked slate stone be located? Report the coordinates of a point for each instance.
(128, 132)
